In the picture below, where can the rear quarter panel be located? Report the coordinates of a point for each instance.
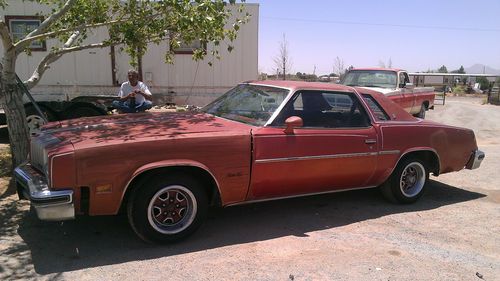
(453, 145)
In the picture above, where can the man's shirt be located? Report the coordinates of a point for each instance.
(126, 89)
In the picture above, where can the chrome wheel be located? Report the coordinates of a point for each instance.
(34, 122)
(412, 179)
(172, 209)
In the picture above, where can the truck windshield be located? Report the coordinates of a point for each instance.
(250, 104)
(371, 78)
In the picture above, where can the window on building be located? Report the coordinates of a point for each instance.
(20, 26)
(189, 49)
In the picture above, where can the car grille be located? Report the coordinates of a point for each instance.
(38, 154)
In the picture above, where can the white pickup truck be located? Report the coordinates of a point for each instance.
(395, 84)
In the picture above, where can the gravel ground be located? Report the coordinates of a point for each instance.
(452, 233)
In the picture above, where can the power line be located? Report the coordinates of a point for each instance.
(384, 24)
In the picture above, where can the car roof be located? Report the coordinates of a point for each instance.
(389, 106)
(296, 85)
(378, 68)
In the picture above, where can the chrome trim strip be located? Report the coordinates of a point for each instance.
(312, 135)
(295, 196)
(389, 152)
(300, 158)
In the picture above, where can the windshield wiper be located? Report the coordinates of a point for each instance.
(352, 85)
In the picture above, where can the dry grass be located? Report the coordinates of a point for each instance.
(5, 162)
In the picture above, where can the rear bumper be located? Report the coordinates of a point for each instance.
(475, 159)
(50, 205)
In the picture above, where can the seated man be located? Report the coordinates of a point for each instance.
(134, 96)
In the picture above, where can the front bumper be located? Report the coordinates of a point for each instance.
(50, 205)
(475, 159)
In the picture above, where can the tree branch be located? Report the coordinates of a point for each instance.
(44, 25)
(55, 55)
(5, 36)
(71, 29)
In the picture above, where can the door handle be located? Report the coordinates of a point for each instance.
(370, 141)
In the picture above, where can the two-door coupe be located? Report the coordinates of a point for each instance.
(262, 140)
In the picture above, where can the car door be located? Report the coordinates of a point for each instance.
(335, 149)
(407, 94)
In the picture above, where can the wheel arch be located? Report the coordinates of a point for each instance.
(426, 103)
(168, 167)
(428, 155)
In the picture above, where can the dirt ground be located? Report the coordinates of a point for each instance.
(452, 233)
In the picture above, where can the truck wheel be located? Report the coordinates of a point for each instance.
(167, 208)
(407, 183)
(421, 113)
(82, 111)
(35, 121)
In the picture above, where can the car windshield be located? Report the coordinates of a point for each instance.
(371, 78)
(250, 104)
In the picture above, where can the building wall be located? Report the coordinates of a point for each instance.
(184, 82)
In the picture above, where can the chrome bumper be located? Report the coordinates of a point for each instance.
(50, 205)
(475, 159)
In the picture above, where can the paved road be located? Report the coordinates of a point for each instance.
(451, 234)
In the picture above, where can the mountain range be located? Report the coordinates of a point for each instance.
(481, 68)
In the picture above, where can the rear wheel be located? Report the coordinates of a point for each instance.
(35, 121)
(407, 183)
(167, 208)
(421, 113)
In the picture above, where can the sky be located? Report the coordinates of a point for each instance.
(415, 35)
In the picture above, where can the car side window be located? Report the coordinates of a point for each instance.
(375, 107)
(320, 109)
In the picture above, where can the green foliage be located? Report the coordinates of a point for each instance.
(137, 23)
(442, 69)
(484, 84)
(461, 70)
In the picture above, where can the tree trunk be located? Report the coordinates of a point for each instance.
(11, 100)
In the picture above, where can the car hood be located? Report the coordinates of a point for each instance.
(97, 131)
(385, 91)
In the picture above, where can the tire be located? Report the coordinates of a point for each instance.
(421, 113)
(150, 203)
(82, 111)
(407, 183)
(35, 121)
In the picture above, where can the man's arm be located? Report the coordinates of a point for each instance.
(122, 96)
(144, 91)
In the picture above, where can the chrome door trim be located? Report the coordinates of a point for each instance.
(315, 157)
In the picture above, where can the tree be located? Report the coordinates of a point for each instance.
(461, 70)
(339, 67)
(283, 61)
(132, 23)
(442, 69)
(484, 84)
(384, 65)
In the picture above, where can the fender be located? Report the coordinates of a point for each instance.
(387, 174)
(169, 163)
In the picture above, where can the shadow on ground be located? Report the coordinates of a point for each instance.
(109, 240)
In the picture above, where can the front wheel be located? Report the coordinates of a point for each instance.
(407, 183)
(167, 208)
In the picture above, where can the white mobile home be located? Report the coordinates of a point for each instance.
(100, 71)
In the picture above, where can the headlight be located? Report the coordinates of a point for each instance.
(39, 151)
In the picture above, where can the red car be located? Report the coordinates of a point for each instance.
(262, 140)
